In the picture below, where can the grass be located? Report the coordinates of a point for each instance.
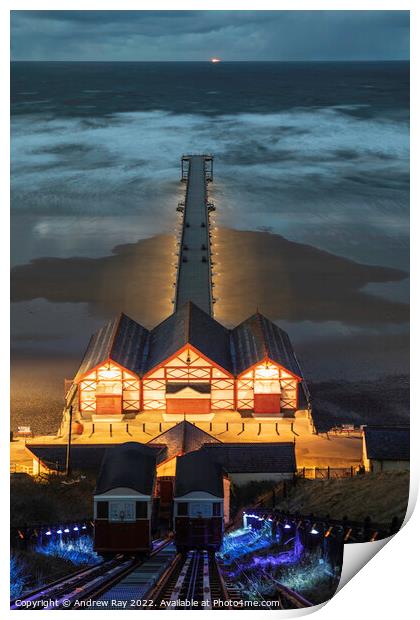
(379, 496)
(30, 570)
(258, 564)
(49, 500)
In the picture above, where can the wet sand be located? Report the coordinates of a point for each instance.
(290, 282)
(285, 280)
(297, 282)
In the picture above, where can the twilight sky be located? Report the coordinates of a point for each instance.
(199, 35)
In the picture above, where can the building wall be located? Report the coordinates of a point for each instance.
(109, 380)
(188, 367)
(267, 378)
(376, 467)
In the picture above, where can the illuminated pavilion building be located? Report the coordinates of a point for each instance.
(189, 366)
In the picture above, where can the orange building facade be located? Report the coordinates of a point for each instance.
(188, 365)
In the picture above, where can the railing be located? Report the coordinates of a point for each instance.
(348, 530)
(23, 536)
(18, 468)
(325, 473)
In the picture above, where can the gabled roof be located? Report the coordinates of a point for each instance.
(387, 443)
(257, 338)
(131, 465)
(84, 457)
(254, 457)
(132, 346)
(182, 438)
(189, 325)
(122, 340)
(197, 471)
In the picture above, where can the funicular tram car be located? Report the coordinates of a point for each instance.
(199, 502)
(123, 500)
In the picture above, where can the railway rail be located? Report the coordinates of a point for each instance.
(193, 580)
(85, 583)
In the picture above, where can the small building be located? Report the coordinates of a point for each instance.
(386, 448)
(201, 486)
(243, 462)
(181, 439)
(187, 366)
(255, 461)
(123, 499)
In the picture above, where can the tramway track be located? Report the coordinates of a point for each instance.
(192, 580)
(84, 584)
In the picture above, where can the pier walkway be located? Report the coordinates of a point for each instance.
(194, 267)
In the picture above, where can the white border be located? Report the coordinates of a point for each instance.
(388, 585)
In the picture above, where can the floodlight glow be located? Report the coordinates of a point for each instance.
(48, 533)
(84, 527)
(75, 529)
(59, 531)
(66, 531)
(314, 531)
(287, 526)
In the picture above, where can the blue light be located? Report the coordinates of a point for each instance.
(48, 533)
(66, 531)
(59, 531)
(75, 529)
(287, 526)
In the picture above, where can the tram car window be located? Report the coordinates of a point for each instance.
(200, 493)
(123, 500)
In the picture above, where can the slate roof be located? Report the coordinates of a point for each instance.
(256, 338)
(254, 457)
(182, 438)
(135, 348)
(202, 388)
(197, 471)
(122, 340)
(387, 443)
(190, 325)
(84, 457)
(131, 465)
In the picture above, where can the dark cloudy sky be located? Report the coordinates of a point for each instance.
(198, 35)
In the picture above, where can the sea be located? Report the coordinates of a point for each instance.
(311, 188)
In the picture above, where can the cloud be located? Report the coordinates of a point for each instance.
(196, 35)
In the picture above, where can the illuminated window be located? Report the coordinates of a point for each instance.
(267, 380)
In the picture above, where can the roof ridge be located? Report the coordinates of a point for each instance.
(114, 335)
(188, 338)
(260, 325)
(184, 435)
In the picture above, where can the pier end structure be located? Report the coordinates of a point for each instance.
(194, 277)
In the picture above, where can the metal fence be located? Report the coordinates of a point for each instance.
(325, 473)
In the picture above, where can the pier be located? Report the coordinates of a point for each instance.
(194, 281)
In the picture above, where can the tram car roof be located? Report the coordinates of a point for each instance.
(197, 471)
(131, 465)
